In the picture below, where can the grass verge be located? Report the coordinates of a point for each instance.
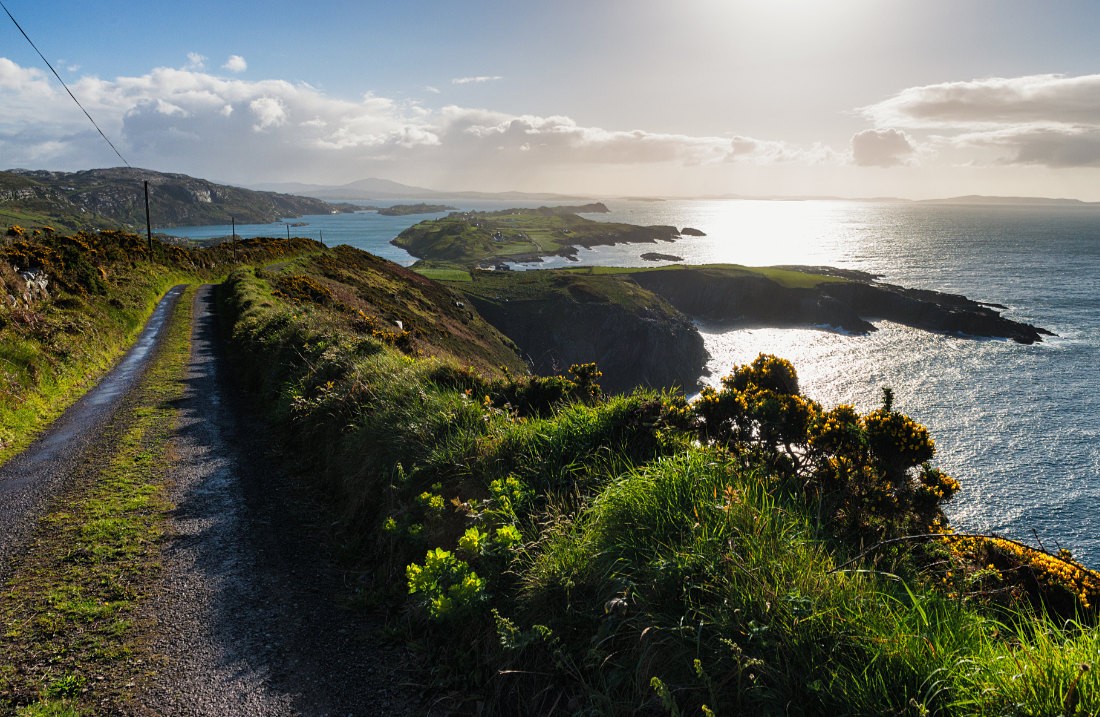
(71, 635)
(551, 550)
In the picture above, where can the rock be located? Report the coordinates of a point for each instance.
(690, 232)
(636, 338)
(746, 298)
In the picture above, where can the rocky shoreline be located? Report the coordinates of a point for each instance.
(849, 305)
(641, 326)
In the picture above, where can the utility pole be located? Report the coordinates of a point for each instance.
(322, 236)
(288, 231)
(148, 223)
(234, 220)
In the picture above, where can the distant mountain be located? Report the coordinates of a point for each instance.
(104, 196)
(384, 189)
(982, 200)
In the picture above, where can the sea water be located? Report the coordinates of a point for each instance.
(1019, 426)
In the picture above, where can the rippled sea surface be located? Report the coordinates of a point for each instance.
(1018, 425)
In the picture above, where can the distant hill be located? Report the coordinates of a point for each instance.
(977, 199)
(102, 197)
(374, 188)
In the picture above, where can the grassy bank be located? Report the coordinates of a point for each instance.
(72, 632)
(100, 289)
(552, 550)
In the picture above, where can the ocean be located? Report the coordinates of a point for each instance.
(1019, 426)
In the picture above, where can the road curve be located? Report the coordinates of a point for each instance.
(30, 479)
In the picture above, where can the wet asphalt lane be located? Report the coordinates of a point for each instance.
(31, 479)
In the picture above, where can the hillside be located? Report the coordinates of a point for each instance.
(545, 547)
(554, 550)
(115, 198)
(560, 318)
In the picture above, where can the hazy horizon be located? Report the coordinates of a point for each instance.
(788, 98)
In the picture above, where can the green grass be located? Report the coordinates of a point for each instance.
(103, 287)
(71, 615)
(788, 278)
(445, 274)
(472, 238)
(47, 367)
(588, 555)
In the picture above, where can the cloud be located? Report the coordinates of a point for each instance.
(881, 148)
(480, 79)
(195, 62)
(269, 112)
(242, 130)
(432, 90)
(996, 101)
(1050, 120)
(235, 64)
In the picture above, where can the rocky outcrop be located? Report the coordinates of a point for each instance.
(631, 349)
(557, 320)
(728, 297)
(931, 310)
(25, 287)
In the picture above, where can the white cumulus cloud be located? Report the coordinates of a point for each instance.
(477, 80)
(199, 123)
(268, 111)
(881, 148)
(1050, 120)
(195, 62)
(235, 64)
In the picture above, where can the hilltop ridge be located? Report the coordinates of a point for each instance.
(114, 197)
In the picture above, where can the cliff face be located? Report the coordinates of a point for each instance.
(559, 320)
(176, 199)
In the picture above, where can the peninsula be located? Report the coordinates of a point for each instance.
(639, 324)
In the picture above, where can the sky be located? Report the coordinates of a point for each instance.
(855, 98)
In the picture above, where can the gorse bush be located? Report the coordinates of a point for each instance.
(555, 550)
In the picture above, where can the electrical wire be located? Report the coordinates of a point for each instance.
(101, 134)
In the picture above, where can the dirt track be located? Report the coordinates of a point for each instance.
(249, 615)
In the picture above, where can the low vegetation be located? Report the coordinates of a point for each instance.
(557, 550)
(73, 634)
(464, 240)
(545, 547)
(71, 304)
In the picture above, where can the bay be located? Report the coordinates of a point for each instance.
(1019, 426)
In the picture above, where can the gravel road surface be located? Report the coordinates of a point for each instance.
(249, 617)
(29, 480)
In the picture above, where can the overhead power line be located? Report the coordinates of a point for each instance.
(101, 133)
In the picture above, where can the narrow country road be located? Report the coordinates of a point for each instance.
(29, 480)
(249, 616)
